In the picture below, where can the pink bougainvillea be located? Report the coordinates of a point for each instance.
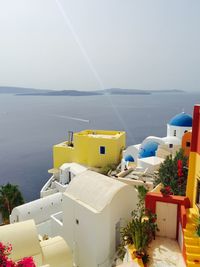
(5, 251)
(180, 168)
(26, 262)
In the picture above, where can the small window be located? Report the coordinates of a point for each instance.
(187, 144)
(170, 145)
(102, 150)
(174, 132)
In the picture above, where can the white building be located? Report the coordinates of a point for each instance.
(61, 178)
(25, 243)
(95, 208)
(88, 215)
(150, 163)
(154, 146)
(40, 211)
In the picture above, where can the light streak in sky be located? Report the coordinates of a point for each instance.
(91, 66)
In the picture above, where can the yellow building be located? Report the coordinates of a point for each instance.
(191, 239)
(93, 148)
(193, 184)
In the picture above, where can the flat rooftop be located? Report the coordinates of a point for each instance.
(100, 134)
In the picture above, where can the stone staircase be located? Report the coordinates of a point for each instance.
(192, 241)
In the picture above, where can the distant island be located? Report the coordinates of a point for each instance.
(112, 91)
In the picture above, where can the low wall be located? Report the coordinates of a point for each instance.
(148, 185)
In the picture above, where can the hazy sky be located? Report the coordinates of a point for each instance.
(93, 44)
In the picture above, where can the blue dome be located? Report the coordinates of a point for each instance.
(148, 150)
(182, 120)
(129, 158)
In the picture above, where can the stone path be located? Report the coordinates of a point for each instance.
(165, 252)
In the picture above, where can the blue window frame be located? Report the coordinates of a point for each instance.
(102, 150)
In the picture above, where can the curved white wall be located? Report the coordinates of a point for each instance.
(133, 151)
(40, 210)
(155, 139)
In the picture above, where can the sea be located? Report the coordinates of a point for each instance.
(31, 125)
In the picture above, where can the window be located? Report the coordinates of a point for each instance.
(187, 144)
(174, 132)
(170, 145)
(102, 150)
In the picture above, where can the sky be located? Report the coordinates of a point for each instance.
(97, 44)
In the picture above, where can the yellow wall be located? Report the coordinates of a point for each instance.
(193, 174)
(62, 153)
(86, 148)
(81, 146)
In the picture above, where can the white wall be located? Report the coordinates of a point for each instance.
(179, 131)
(40, 210)
(149, 164)
(103, 251)
(68, 220)
(57, 224)
(85, 236)
(99, 230)
(93, 238)
(124, 202)
(45, 229)
(133, 151)
(81, 236)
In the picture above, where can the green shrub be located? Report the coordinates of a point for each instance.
(110, 167)
(169, 173)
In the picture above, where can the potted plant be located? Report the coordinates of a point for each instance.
(140, 231)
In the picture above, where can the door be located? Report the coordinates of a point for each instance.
(166, 219)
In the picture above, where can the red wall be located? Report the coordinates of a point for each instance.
(182, 202)
(195, 146)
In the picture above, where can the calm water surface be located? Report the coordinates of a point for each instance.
(30, 125)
